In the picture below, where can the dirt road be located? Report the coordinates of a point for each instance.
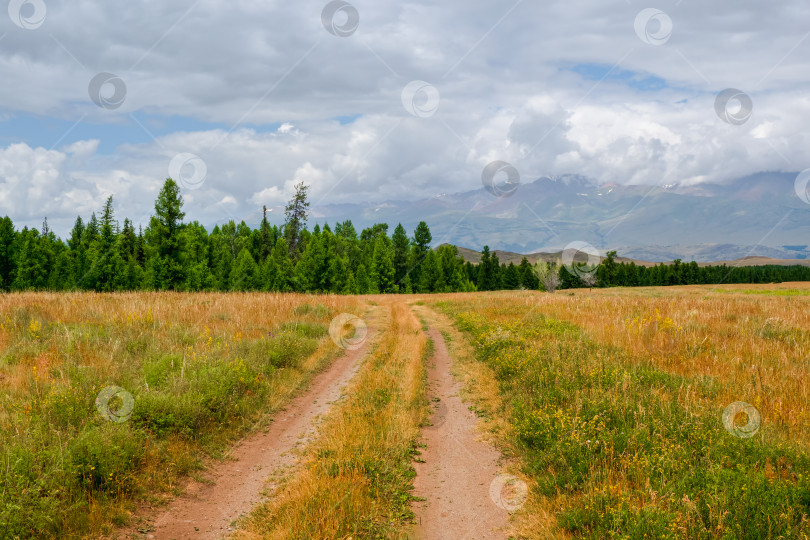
(234, 487)
(459, 469)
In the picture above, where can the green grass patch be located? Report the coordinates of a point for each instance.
(61, 459)
(635, 451)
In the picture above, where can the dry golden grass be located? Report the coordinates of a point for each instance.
(757, 341)
(58, 350)
(731, 343)
(356, 478)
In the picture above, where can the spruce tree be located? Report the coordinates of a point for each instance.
(196, 259)
(406, 285)
(127, 241)
(495, 270)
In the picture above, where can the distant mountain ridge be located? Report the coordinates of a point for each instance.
(757, 215)
(511, 257)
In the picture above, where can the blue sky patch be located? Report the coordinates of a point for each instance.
(137, 128)
(638, 81)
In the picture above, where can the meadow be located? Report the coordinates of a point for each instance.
(107, 400)
(651, 413)
(678, 412)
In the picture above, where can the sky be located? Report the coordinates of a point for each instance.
(378, 100)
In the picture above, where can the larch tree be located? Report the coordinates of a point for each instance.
(164, 239)
(7, 254)
(401, 247)
(296, 219)
(382, 268)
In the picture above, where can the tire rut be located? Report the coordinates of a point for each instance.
(234, 487)
(458, 468)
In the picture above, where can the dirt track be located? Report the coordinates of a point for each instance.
(459, 469)
(208, 510)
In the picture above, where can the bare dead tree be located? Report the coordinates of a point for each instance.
(548, 275)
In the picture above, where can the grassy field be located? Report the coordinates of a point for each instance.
(107, 400)
(678, 412)
(615, 403)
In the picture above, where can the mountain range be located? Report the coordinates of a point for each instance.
(756, 215)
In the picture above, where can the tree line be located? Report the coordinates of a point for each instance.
(612, 273)
(103, 255)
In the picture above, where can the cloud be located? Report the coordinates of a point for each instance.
(266, 98)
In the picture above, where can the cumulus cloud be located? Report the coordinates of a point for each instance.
(266, 97)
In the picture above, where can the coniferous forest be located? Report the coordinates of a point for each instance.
(101, 254)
